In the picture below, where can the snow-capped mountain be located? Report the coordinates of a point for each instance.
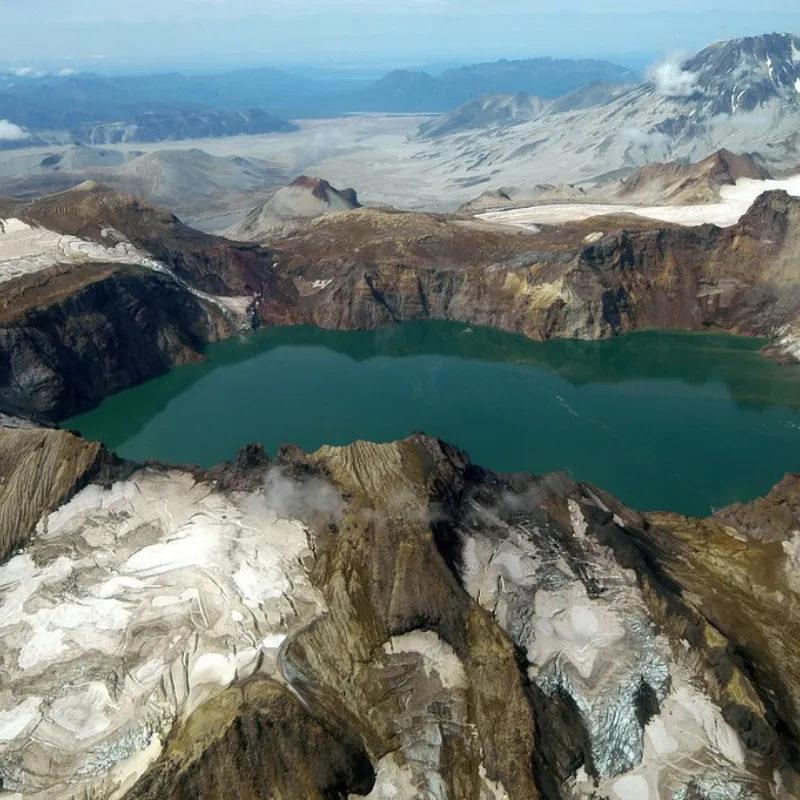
(742, 95)
(743, 75)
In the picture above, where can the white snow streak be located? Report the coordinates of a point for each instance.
(735, 202)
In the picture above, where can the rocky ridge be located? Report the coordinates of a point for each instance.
(690, 184)
(487, 112)
(394, 621)
(119, 271)
(105, 291)
(586, 280)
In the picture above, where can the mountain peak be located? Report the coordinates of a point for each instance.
(325, 193)
(304, 199)
(741, 75)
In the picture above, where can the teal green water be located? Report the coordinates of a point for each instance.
(664, 420)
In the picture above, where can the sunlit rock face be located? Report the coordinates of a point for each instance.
(391, 621)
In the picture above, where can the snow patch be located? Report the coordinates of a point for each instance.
(42, 648)
(791, 568)
(577, 519)
(83, 712)
(495, 789)
(17, 720)
(146, 604)
(392, 781)
(659, 738)
(633, 787)
(213, 668)
(735, 202)
(438, 658)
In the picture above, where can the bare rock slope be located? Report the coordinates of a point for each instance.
(739, 94)
(292, 206)
(690, 184)
(101, 291)
(588, 280)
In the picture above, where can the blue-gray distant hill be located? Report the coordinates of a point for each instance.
(89, 108)
(407, 91)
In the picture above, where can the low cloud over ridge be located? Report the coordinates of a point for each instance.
(670, 79)
(9, 132)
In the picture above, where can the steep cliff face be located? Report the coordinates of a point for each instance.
(253, 741)
(99, 291)
(593, 280)
(111, 333)
(72, 334)
(742, 278)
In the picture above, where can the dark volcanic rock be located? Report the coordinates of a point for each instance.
(378, 268)
(108, 335)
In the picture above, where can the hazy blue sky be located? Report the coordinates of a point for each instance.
(160, 32)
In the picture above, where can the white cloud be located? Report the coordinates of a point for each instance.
(22, 72)
(65, 73)
(9, 132)
(670, 79)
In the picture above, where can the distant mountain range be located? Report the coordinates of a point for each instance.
(91, 108)
(545, 77)
(500, 110)
(189, 182)
(742, 94)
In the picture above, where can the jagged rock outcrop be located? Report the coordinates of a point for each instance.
(391, 620)
(690, 183)
(514, 197)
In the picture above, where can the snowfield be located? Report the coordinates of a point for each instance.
(25, 249)
(735, 202)
(132, 606)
